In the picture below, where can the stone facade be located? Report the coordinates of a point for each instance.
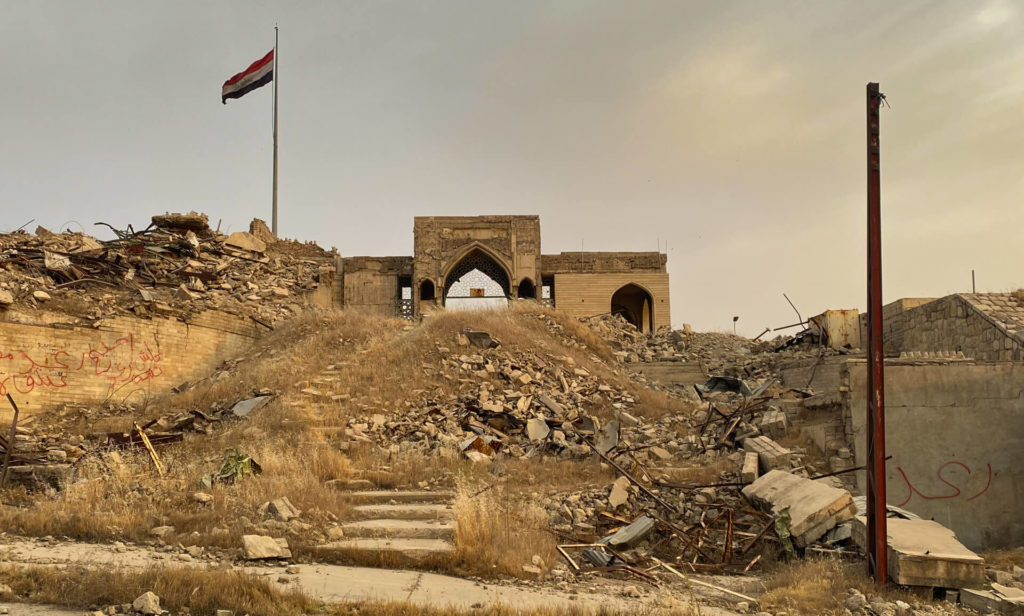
(49, 360)
(507, 249)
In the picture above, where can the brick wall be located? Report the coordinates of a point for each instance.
(584, 295)
(48, 361)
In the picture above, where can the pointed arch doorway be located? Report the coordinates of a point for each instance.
(477, 281)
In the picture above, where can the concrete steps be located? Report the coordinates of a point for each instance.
(403, 511)
(393, 497)
(395, 526)
(402, 548)
(401, 529)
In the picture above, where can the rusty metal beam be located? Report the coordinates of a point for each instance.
(876, 492)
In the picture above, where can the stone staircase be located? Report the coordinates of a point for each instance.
(391, 527)
(397, 526)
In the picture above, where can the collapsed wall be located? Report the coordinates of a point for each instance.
(952, 429)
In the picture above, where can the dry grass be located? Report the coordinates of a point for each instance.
(818, 586)
(498, 533)
(1005, 560)
(203, 592)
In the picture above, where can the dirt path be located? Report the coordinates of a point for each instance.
(340, 584)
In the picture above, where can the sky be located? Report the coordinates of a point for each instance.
(731, 134)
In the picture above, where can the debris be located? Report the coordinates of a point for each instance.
(537, 429)
(259, 547)
(147, 603)
(770, 454)
(619, 493)
(629, 535)
(814, 507)
(243, 240)
(926, 553)
(152, 452)
(1000, 600)
(748, 473)
(725, 384)
(235, 465)
(609, 438)
(282, 510)
(481, 340)
(242, 408)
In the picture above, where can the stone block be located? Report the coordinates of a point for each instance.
(814, 508)
(41, 477)
(748, 473)
(258, 547)
(770, 454)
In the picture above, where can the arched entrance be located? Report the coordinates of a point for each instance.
(526, 290)
(635, 305)
(476, 281)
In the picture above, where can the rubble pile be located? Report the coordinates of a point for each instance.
(177, 265)
(518, 403)
(716, 353)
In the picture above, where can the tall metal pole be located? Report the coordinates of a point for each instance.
(876, 493)
(277, 76)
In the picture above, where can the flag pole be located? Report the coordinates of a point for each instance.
(276, 76)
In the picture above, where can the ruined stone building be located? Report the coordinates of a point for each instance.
(462, 261)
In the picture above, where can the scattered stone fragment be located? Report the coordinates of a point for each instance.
(619, 493)
(537, 429)
(259, 547)
(147, 603)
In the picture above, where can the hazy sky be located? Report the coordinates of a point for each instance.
(732, 130)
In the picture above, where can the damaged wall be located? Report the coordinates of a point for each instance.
(48, 359)
(952, 428)
(954, 432)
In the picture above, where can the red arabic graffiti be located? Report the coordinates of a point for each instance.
(120, 363)
(954, 491)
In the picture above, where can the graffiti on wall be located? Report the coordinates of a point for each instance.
(952, 483)
(118, 363)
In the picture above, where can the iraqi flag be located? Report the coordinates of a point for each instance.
(259, 74)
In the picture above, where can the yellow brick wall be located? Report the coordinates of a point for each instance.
(45, 365)
(584, 295)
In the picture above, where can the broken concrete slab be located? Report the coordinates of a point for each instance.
(814, 508)
(993, 601)
(259, 547)
(926, 553)
(243, 407)
(748, 472)
(244, 240)
(770, 454)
